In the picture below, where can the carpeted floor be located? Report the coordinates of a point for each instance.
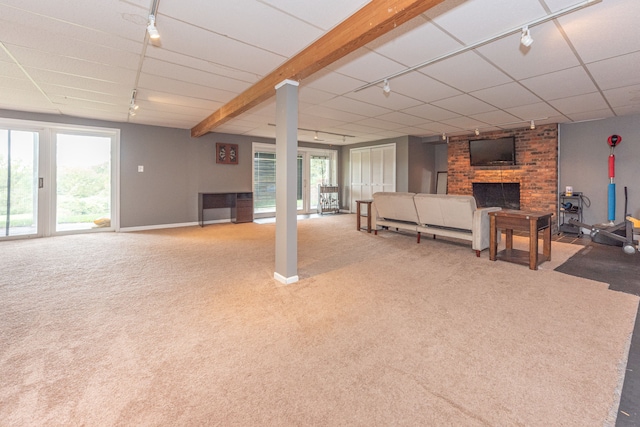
(187, 327)
(611, 265)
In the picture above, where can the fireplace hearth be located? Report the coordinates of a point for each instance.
(505, 195)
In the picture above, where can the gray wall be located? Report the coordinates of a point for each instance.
(422, 172)
(584, 155)
(176, 168)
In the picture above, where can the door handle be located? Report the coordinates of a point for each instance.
(40, 182)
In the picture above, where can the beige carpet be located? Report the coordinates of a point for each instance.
(187, 327)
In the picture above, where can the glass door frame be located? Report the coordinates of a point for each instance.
(306, 153)
(46, 159)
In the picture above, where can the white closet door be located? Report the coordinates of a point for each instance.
(372, 169)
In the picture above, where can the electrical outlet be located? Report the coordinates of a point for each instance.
(140, 168)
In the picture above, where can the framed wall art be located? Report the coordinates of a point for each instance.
(226, 153)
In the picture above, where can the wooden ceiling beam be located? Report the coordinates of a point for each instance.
(378, 17)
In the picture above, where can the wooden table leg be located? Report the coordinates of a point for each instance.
(508, 241)
(358, 216)
(493, 239)
(533, 244)
(546, 243)
(368, 217)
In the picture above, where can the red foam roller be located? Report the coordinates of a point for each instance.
(612, 166)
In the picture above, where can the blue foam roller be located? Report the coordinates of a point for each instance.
(612, 202)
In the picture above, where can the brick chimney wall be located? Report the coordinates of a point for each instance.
(536, 167)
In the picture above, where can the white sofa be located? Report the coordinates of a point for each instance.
(437, 214)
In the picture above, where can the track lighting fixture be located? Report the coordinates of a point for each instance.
(316, 136)
(386, 88)
(526, 38)
(477, 132)
(132, 104)
(444, 136)
(151, 28)
(533, 125)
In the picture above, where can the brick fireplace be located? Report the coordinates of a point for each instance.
(536, 168)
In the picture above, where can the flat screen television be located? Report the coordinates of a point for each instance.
(493, 152)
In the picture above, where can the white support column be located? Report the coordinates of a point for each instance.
(286, 182)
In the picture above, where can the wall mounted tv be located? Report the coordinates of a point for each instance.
(493, 152)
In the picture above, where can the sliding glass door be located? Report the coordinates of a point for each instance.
(314, 167)
(18, 183)
(56, 179)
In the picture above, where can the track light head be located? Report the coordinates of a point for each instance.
(477, 132)
(316, 136)
(151, 28)
(526, 38)
(533, 125)
(386, 88)
(444, 136)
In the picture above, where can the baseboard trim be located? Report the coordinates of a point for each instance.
(285, 280)
(176, 225)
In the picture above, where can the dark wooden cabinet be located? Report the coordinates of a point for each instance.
(241, 205)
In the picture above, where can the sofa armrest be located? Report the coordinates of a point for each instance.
(482, 228)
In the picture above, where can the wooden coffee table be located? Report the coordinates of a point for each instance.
(531, 222)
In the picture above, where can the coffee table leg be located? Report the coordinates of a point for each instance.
(358, 216)
(368, 217)
(533, 244)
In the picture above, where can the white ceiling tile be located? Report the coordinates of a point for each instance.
(333, 113)
(616, 72)
(414, 42)
(310, 95)
(391, 100)
(72, 110)
(270, 28)
(332, 82)
(355, 106)
(464, 123)
(404, 119)
(506, 96)
(604, 30)
(464, 104)
(375, 124)
(561, 84)
(628, 111)
(88, 83)
(158, 97)
(549, 52)
(580, 103)
(325, 14)
(475, 20)
(533, 111)
(19, 84)
(163, 84)
(366, 65)
(89, 96)
(590, 115)
(199, 43)
(467, 72)
(11, 69)
(419, 86)
(497, 117)
(178, 72)
(623, 96)
(430, 112)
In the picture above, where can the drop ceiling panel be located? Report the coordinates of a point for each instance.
(73, 93)
(333, 113)
(89, 21)
(331, 82)
(580, 103)
(365, 65)
(80, 82)
(506, 96)
(474, 20)
(313, 96)
(199, 43)
(376, 123)
(157, 97)
(616, 72)
(430, 112)
(561, 84)
(422, 87)
(548, 53)
(467, 72)
(414, 42)
(270, 28)
(591, 115)
(175, 58)
(464, 104)
(88, 113)
(497, 117)
(177, 72)
(163, 84)
(404, 119)
(349, 105)
(391, 100)
(20, 84)
(29, 58)
(325, 14)
(624, 97)
(534, 111)
(10, 69)
(463, 122)
(604, 30)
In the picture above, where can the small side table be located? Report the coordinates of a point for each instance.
(359, 214)
(530, 222)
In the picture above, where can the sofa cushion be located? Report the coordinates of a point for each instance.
(395, 205)
(445, 210)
